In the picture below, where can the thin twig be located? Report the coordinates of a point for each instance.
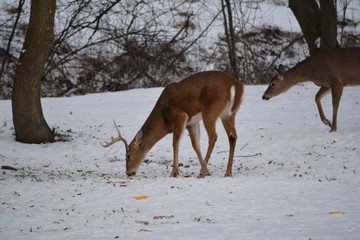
(253, 155)
(9, 168)
(244, 146)
(239, 150)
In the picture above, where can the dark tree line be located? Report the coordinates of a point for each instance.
(116, 45)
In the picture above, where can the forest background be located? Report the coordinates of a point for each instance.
(122, 44)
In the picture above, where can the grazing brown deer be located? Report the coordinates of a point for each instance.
(203, 96)
(331, 69)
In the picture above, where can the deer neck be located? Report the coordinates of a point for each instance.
(153, 130)
(300, 73)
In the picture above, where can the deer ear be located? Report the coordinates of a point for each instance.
(279, 72)
(281, 69)
(139, 137)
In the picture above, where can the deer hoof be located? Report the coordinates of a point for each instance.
(228, 175)
(174, 174)
(203, 173)
(333, 130)
(327, 122)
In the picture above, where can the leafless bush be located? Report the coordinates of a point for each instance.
(116, 54)
(258, 51)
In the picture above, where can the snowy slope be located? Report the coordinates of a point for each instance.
(292, 178)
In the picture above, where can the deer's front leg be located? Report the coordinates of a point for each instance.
(179, 125)
(336, 91)
(320, 94)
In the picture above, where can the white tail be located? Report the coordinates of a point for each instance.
(203, 96)
(332, 69)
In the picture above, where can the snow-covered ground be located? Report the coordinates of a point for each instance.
(292, 178)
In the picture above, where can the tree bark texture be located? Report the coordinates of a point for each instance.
(29, 122)
(230, 36)
(308, 15)
(316, 22)
(328, 24)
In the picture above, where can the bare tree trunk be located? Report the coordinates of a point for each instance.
(316, 22)
(230, 36)
(328, 24)
(308, 15)
(30, 125)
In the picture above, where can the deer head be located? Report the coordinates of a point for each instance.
(134, 152)
(278, 84)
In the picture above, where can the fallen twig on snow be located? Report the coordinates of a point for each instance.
(239, 150)
(253, 155)
(9, 168)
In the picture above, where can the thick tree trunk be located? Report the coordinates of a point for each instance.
(316, 22)
(308, 15)
(328, 24)
(30, 125)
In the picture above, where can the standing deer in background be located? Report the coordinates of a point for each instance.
(203, 96)
(331, 69)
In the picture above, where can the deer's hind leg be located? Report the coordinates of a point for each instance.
(229, 125)
(210, 127)
(194, 132)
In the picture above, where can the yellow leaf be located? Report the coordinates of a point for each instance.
(141, 197)
(336, 213)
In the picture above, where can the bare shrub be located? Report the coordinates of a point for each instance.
(259, 50)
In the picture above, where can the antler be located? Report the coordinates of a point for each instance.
(114, 140)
